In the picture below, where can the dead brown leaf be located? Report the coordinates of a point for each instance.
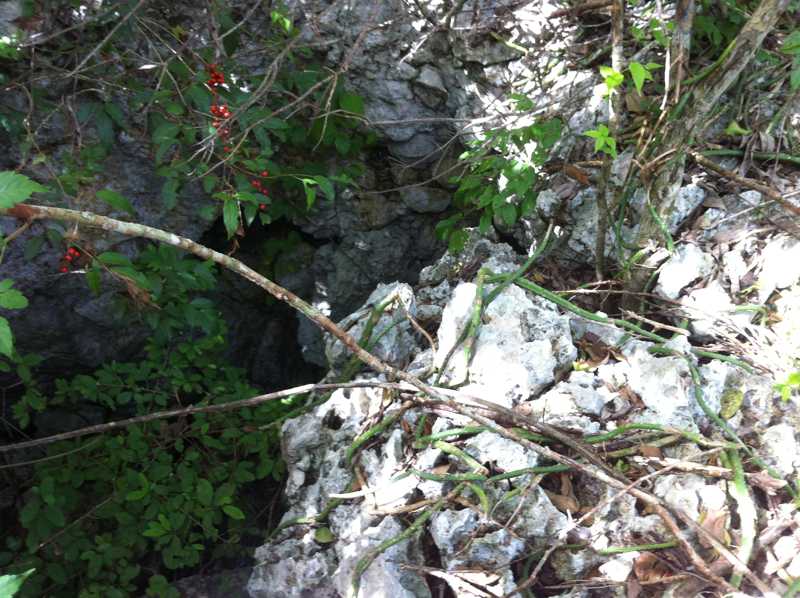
(715, 521)
(577, 173)
(648, 450)
(766, 482)
(648, 568)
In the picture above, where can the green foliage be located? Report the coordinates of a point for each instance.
(9, 299)
(611, 78)
(789, 386)
(110, 511)
(16, 188)
(603, 141)
(10, 584)
(501, 178)
(641, 73)
(791, 46)
(717, 22)
(656, 30)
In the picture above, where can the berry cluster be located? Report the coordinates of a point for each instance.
(220, 112)
(215, 77)
(259, 186)
(71, 254)
(223, 132)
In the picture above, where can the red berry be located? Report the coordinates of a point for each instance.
(264, 173)
(227, 148)
(64, 269)
(262, 206)
(68, 257)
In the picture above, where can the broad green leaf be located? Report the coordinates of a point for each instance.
(165, 133)
(791, 45)
(133, 274)
(15, 188)
(154, 530)
(169, 193)
(105, 128)
(111, 258)
(639, 74)
(508, 213)
(6, 338)
(174, 109)
(734, 129)
(342, 144)
(611, 77)
(233, 512)
(10, 584)
(324, 535)
(137, 494)
(352, 103)
(116, 114)
(486, 222)
(32, 247)
(205, 492)
(457, 241)
(311, 195)
(794, 78)
(116, 201)
(230, 216)
(326, 186)
(275, 124)
(93, 281)
(13, 299)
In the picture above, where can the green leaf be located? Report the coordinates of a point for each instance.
(105, 128)
(93, 280)
(174, 109)
(165, 133)
(15, 188)
(791, 45)
(137, 494)
(54, 515)
(326, 186)
(311, 194)
(116, 114)
(508, 212)
(111, 258)
(734, 129)
(342, 144)
(116, 201)
(13, 299)
(457, 241)
(794, 79)
(486, 222)
(276, 124)
(352, 103)
(233, 512)
(640, 74)
(205, 492)
(612, 78)
(324, 535)
(10, 584)
(32, 247)
(154, 530)
(169, 193)
(6, 338)
(230, 216)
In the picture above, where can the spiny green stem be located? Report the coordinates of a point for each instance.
(638, 547)
(413, 529)
(747, 514)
